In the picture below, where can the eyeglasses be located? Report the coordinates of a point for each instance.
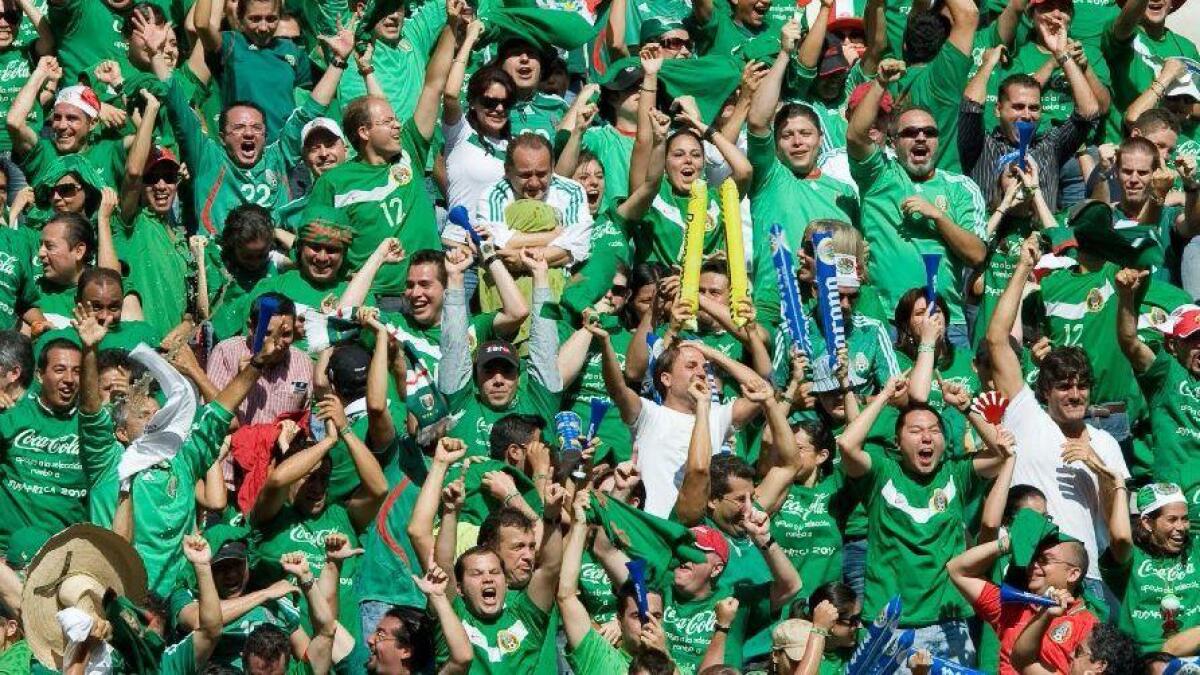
(66, 190)
(675, 44)
(382, 636)
(1045, 561)
(914, 132)
(492, 102)
(170, 178)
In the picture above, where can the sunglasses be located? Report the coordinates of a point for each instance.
(914, 132)
(492, 102)
(11, 15)
(618, 289)
(851, 621)
(66, 190)
(675, 44)
(170, 178)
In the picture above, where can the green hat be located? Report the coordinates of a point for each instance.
(622, 75)
(325, 224)
(542, 28)
(530, 215)
(708, 79)
(23, 544)
(1027, 532)
(656, 26)
(1154, 496)
(82, 168)
(1103, 233)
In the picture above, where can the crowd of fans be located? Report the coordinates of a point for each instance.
(665, 337)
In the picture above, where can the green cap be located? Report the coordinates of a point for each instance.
(622, 75)
(1101, 232)
(1154, 496)
(23, 545)
(1027, 532)
(656, 26)
(530, 215)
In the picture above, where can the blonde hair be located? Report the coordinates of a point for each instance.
(847, 240)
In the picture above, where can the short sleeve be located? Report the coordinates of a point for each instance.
(970, 211)
(454, 133)
(987, 605)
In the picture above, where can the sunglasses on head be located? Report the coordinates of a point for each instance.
(65, 190)
(492, 102)
(914, 132)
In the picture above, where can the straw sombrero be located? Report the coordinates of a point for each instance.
(76, 568)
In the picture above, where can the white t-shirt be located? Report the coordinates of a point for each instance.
(1072, 491)
(662, 436)
(473, 164)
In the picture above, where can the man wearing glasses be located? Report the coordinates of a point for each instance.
(910, 208)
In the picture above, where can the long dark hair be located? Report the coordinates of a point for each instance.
(480, 82)
(907, 341)
(644, 274)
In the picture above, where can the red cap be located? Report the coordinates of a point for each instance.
(860, 92)
(710, 540)
(1186, 325)
(161, 154)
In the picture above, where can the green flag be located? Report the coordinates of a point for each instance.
(1104, 233)
(661, 543)
(709, 79)
(542, 28)
(1028, 530)
(478, 502)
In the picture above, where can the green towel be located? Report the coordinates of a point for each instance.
(661, 543)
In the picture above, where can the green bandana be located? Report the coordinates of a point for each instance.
(1028, 530)
(1115, 239)
(709, 79)
(661, 543)
(542, 28)
(324, 225)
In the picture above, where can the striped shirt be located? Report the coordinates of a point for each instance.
(282, 388)
(564, 195)
(980, 150)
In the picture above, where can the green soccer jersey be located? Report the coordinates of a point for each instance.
(423, 347)
(806, 528)
(307, 295)
(1135, 62)
(508, 644)
(539, 114)
(595, 656)
(1173, 398)
(613, 149)
(596, 590)
(179, 658)
(159, 266)
(589, 385)
(660, 235)
(344, 479)
(218, 183)
(106, 156)
(872, 359)
(56, 302)
(42, 483)
(914, 526)
(86, 32)
(292, 531)
(389, 560)
(18, 287)
(164, 496)
(474, 425)
(779, 196)
(384, 200)
(264, 75)
(396, 62)
(124, 336)
(901, 240)
(688, 624)
(938, 87)
(1143, 582)
(14, 71)
(281, 613)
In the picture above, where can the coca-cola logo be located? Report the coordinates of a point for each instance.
(1172, 574)
(30, 439)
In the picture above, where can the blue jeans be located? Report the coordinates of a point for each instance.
(1072, 188)
(854, 565)
(1116, 424)
(956, 334)
(950, 640)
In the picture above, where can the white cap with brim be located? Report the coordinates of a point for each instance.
(322, 123)
(1186, 84)
(791, 638)
(1155, 496)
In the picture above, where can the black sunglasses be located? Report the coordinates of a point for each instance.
(12, 15)
(914, 132)
(492, 102)
(66, 190)
(168, 177)
(675, 44)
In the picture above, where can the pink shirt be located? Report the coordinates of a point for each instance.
(281, 388)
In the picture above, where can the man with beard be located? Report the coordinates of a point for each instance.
(1169, 376)
(911, 208)
(1050, 442)
(72, 119)
(242, 168)
(42, 483)
(1156, 578)
(916, 503)
(1055, 561)
(496, 386)
(589, 653)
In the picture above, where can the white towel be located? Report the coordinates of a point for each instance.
(76, 626)
(169, 427)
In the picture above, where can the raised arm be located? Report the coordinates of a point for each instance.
(381, 428)
(920, 378)
(205, 636)
(772, 491)
(420, 527)
(1131, 288)
(280, 479)
(1126, 23)
(135, 159)
(575, 123)
(627, 401)
(106, 250)
(513, 309)
(964, 19)
(1152, 97)
(425, 115)
(23, 137)
(434, 585)
(454, 372)
(970, 570)
(689, 116)
(1006, 366)
(339, 47)
(45, 35)
(576, 621)
(786, 579)
(207, 30)
(91, 333)
(639, 161)
(1086, 105)
(855, 460)
(858, 131)
(452, 110)
(389, 252)
(543, 333)
(1026, 652)
(766, 99)
(366, 500)
(691, 504)
(642, 196)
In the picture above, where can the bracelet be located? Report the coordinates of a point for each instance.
(540, 475)
(819, 631)
(926, 349)
(487, 262)
(307, 584)
(767, 544)
(510, 497)
(718, 628)
(1062, 59)
(338, 62)
(709, 133)
(366, 71)
(1158, 89)
(1120, 486)
(346, 431)
(653, 90)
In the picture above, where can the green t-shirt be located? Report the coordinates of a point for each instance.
(660, 235)
(539, 114)
(124, 336)
(1173, 397)
(291, 531)
(395, 63)
(613, 149)
(18, 288)
(474, 425)
(158, 266)
(596, 590)
(806, 527)
(42, 483)
(900, 240)
(14, 71)
(385, 200)
(164, 496)
(15, 660)
(594, 656)
(179, 658)
(56, 302)
(589, 384)
(86, 32)
(1003, 253)
(688, 623)
(281, 613)
(389, 559)
(914, 526)
(1141, 585)
(1135, 62)
(105, 155)
(723, 34)
(266, 76)
(509, 644)
(218, 183)
(938, 87)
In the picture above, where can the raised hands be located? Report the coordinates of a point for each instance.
(91, 330)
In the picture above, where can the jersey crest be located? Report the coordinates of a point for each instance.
(921, 515)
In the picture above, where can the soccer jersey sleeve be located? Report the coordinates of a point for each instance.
(200, 449)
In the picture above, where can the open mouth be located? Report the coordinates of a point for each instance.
(925, 456)
(489, 596)
(524, 72)
(919, 153)
(593, 196)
